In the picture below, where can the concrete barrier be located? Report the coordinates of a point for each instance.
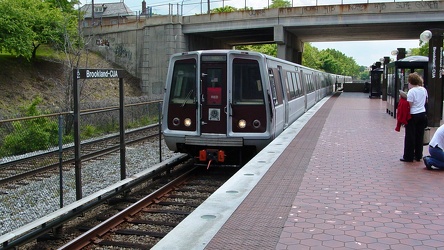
(353, 87)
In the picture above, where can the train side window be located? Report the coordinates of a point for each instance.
(247, 83)
(273, 86)
(290, 85)
(183, 82)
(298, 83)
(309, 83)
(312, 86)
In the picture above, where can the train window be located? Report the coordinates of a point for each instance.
(213, 78)
(247, 83)
(273, 86)
(290, 85)
(183, 82)
(323, 82)
(310, 87)
(298, 83)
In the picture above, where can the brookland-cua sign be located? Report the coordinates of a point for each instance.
(99, 73)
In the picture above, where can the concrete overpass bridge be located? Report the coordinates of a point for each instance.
(143, 47)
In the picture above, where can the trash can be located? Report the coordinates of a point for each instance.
(366, 87)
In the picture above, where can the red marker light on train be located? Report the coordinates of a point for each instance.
(221, 156)
(202, 155)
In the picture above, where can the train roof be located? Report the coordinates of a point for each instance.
(250, 53)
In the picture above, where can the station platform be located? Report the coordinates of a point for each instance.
(332, 180)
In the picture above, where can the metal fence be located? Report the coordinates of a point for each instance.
(193, 7)
(30, 143)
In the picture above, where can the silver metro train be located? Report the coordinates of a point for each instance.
(224, 106)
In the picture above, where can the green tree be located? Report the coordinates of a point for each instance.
(334, 61)
(421, 51)
(364, 73)
(268, 49)
(26, 24)
(224, 9)
(279, 4)
(311, 57)
(66, 6)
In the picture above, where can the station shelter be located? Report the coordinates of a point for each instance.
(397, 73)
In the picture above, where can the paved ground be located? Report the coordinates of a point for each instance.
(340, 185)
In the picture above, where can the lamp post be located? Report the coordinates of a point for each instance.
(435, 73)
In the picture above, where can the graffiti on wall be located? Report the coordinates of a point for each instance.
(121, 51)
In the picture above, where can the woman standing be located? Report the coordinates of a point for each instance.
(414, 130)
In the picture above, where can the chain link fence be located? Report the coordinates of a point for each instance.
(29, 145)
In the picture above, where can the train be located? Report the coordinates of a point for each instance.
(223, 106)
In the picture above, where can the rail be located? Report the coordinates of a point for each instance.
(84, 240)
(57, 218)
(189, 8)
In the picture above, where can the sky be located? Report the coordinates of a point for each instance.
(373, 50)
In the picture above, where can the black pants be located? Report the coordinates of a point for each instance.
(414, 136)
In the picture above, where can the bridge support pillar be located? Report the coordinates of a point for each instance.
(289, 47)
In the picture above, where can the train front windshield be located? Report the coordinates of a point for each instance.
(183, 85)
(247, 85)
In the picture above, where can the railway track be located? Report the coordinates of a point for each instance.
(138, 220)
(40, 164)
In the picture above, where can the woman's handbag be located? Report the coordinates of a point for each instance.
(426, 136)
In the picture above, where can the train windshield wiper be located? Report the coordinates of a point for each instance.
(186, 98)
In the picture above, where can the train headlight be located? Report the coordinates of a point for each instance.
(242, 123)
(187, 122)
(256, 123)
(176, 121)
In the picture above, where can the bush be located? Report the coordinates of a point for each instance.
(30, 135)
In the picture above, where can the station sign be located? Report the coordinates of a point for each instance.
(100, 73)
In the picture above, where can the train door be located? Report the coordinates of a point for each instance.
(213, 99)
(284, 85)
(317, 86)
(277, 98)
(304, 89)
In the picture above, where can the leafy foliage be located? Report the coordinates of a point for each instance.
(224, 9)
(30, 135)
(329, 60)
(421, 51)
(268, 49)
(26, 24)
(280, 4)
(310, 57)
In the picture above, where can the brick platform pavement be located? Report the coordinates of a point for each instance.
(340, 185)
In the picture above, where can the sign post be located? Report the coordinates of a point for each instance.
(435, 75)
(95, 74)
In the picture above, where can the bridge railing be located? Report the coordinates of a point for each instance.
(200, 7)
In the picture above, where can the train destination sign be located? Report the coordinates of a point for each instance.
(99, 73)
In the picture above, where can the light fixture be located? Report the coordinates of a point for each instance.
(425, 36)
(187, 122)
(242, 123)
(395, 52)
